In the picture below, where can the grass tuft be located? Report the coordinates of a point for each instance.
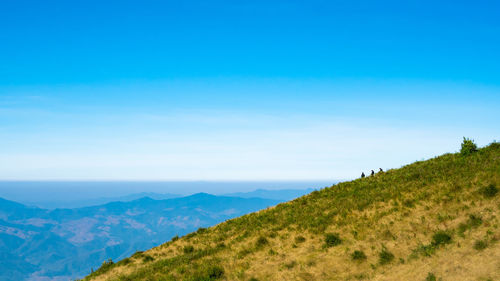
(147, 258)
(358, 255)
(261, 242)
(332, 239)
(385, 257)
(300, 239)
(480, 245)
(188, 249)
(441, 238)
(489, 191)
(430, 277)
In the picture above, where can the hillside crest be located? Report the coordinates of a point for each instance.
(431, 220)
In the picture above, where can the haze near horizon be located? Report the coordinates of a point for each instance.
(267, 90)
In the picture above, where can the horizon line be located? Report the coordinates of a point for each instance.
(167, 180)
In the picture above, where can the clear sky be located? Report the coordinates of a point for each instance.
(242, 90)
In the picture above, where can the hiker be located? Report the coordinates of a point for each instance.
(380, 170)
(362, 174)
(373, 173)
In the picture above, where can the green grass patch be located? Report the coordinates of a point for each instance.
(332, 239)
(441, 238)
(300, 239)
(188, 249)
(385, 257)
(480, 245)
(148, 258)
(473, 221)
(208, 273)
(430, 277)
(261, 242)
(358, 255)
(489, 191)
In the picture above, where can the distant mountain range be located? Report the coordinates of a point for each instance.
(62, 244)
(70, 204)
(77, 194)
(280, 194)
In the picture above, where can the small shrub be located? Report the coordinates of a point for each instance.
(424, 250)
(480, 245)
(440, 238)
(332, 239)
(261, 242)
(358, 255)
(188, 249)
(125, 261)
(175, 238)
(147, 258)
(208, 273)
(215, 272)
(300, 239)
(489, 191)
(385, 257)
(253, 279)
(473, 222)
(468, 147)
(201, 230)
(462, 227)
(242, 253)
(137, 254)
(430, 277)
(409, 203)
(105, 266)
(242, 236)
(361, 276)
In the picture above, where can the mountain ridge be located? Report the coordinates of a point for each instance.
(61, 244)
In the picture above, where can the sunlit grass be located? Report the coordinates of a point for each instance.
(400, 224)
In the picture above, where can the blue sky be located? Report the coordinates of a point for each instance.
(241, 90)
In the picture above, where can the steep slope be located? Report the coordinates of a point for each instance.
(431, 220)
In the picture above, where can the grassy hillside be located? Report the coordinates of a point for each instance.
(431, 220)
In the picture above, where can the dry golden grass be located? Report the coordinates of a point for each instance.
(399, 211)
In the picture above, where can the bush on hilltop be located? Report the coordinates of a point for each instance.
(468, 147)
